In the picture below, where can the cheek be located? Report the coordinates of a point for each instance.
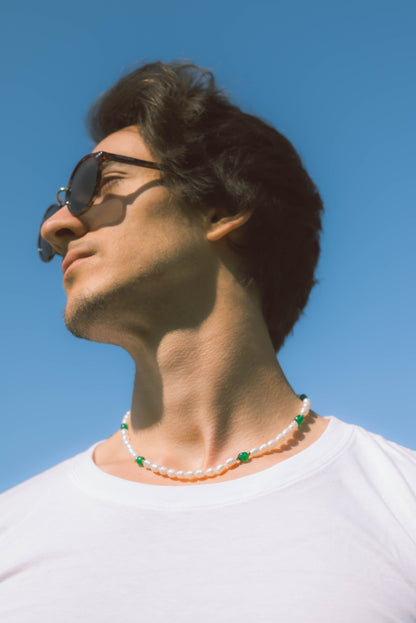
(163, 247)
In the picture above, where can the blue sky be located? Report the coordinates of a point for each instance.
(338, 78)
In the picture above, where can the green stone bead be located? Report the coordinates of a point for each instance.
(303, 396)
(244, 457)
(299, 419)
(139, 460)
(124, 426)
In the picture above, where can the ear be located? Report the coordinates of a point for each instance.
(219, 224)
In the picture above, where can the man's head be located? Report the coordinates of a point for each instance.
(215, 157)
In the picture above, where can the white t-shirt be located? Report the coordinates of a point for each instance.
(326, 536)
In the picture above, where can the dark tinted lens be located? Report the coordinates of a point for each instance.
(46, 252)
(83, 185)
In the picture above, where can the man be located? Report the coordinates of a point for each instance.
(190, 238)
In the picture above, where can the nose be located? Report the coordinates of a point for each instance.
(61, 228)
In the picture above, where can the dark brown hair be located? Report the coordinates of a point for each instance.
(212, 153)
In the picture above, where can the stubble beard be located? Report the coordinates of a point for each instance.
(93, 316)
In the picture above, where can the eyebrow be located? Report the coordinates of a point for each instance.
(108, 164)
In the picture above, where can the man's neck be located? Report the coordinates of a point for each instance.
(205, 393)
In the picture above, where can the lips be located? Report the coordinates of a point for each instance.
(71, 257)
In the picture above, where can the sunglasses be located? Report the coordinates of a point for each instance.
(83, 186)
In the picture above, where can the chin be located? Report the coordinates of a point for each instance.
(90, 315)
(101, 314)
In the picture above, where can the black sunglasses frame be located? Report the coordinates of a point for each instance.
(45, 250)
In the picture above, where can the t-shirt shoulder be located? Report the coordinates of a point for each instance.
(21, 501)
(402, 459)
(389, 470)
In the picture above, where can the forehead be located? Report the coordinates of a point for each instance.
(125, 142)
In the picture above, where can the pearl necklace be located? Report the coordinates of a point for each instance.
(242, 457)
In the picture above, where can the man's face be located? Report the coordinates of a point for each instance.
(149, 268)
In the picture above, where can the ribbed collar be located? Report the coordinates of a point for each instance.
(86, 475)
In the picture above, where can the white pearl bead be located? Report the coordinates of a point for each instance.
(286, 432)
(220, 468)
(199, 473)
(209, 472)
(271, 443)
(172, 473)
(307, 404)
(292, 425)
(263, 447)
(255, 451)
(279, 437)
(146, 463)
(180, 474)
(163, 470)
(154, 467)
(230, 461)
(190, 474)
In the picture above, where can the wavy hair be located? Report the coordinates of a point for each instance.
(213, 153)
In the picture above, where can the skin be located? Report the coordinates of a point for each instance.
(166, 287)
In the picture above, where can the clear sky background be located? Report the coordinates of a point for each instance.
(337, 78)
